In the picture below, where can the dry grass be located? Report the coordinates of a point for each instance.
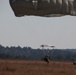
(23, 67)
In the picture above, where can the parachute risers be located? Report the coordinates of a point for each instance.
(45, 51)
(47, 57)
(49, 8)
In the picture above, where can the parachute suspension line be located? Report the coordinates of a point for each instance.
(35, 4)
(42, 46)
(47, 52)
(52, 53)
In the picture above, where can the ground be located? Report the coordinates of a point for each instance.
(24, 67)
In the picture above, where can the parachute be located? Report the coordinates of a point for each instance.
(46, 52)
(45, 8)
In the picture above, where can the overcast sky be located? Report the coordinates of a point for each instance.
(33, 31)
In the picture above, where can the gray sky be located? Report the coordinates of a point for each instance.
(33, 31)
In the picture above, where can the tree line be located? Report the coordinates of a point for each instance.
(29, 53)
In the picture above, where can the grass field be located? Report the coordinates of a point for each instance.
(23, 67)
